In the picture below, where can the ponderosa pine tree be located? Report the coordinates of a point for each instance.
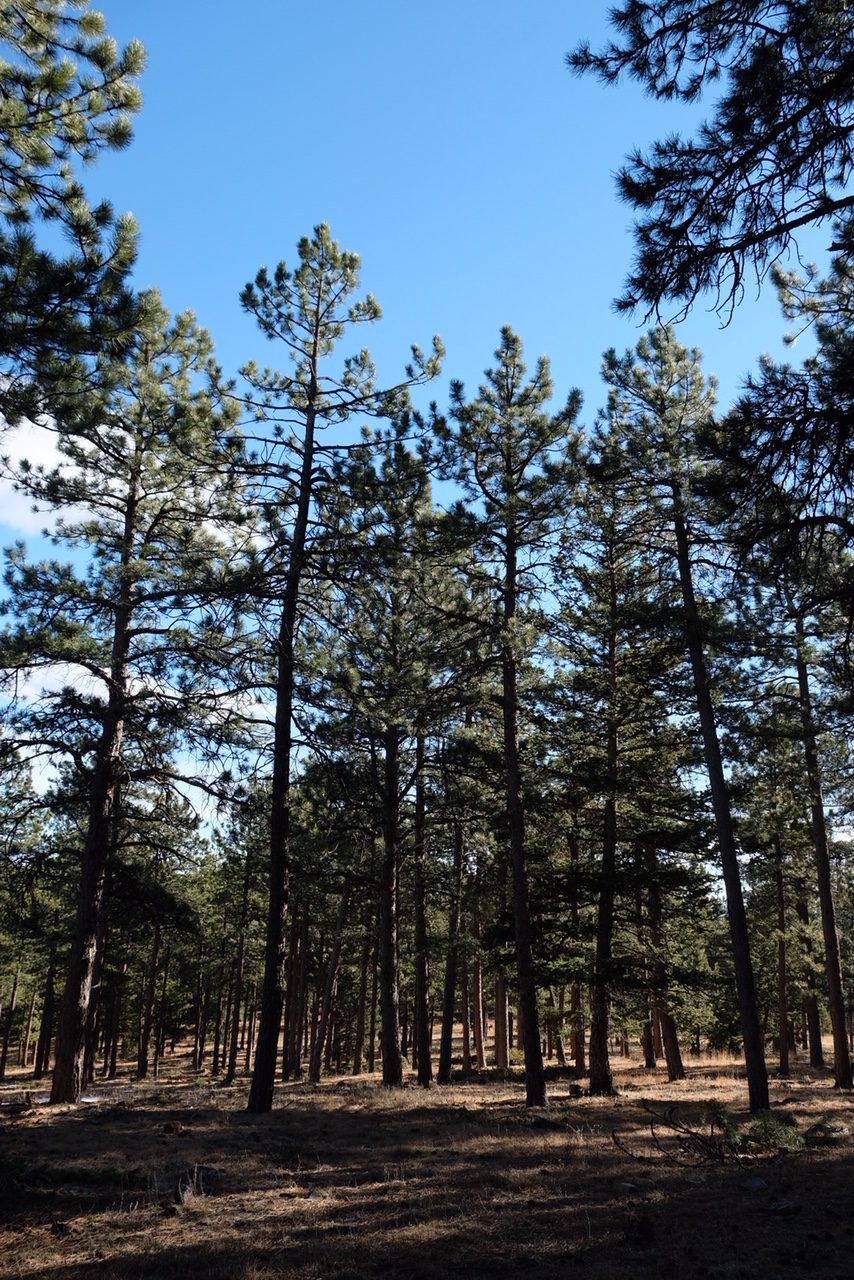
(67, 94)
(388, 676)
(515, 460)
(143, 491)
(660, 398)
(618, 673)
(308, 311)
(775, 155)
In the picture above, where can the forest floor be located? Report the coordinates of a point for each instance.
(171, 1179)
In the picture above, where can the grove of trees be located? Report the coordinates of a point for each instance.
(335, 720)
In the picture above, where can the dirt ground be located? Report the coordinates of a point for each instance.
(173, 1178)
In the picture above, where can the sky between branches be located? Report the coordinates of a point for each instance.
(447, 144)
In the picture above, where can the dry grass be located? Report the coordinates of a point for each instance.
(348, 1180)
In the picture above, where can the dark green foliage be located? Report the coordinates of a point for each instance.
(774, 155)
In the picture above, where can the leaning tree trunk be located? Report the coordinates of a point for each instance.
(754, 1055)
(67, 1083)
(833, 965)
(104, 799)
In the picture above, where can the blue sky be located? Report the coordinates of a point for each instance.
(447, 144)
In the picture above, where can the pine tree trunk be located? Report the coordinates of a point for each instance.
(362, 1003)
(48, 1009)
(662, 1019)
(273, 985)
(556, 1028)
(465, 1004)
(754, 1055)
(535, 1080)
(329, 986)
(843, 1078)
(451, 962)
(148, 1008)
(104, 799)
(388, 972)
(782, 976)
(476, 1011)
(239, 965)
(812, 1016)
(601, 1078)
(421, 1041)
(160, 1032)
(7, 1023)
(24, 1054)
(372, 1030)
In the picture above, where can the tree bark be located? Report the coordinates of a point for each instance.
(388, 972)
(754, 1055)
(421, 1039)
(148, 1007)
(329, 986)
(833, 965)
(450, 984)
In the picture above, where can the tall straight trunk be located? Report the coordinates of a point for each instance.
(833, 965)
(149, 998)
(42, 1061)
(26, 1038)
(754, 1056)
(782, 976)
(556, 1028)
(300, 1044)
(250, 1028)
(273, 984)
(159, 1032)
(535, 1080)
(663, 1021)
(292, 995)
(372, 1029)
(205, 1021)
(466, 1011)
(103, 802)
(7, 1022)
(576, 1004)
(811, 1011)
(501, 1039)
(362, 1003)
(476, 1004)
(329, 986)
(421, 1039)
(198, 1015)
(239, 965)
(388, 972)
(601, 1078)
(111, 1056)
(449, 988)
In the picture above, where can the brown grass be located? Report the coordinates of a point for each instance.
(173, 1179)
